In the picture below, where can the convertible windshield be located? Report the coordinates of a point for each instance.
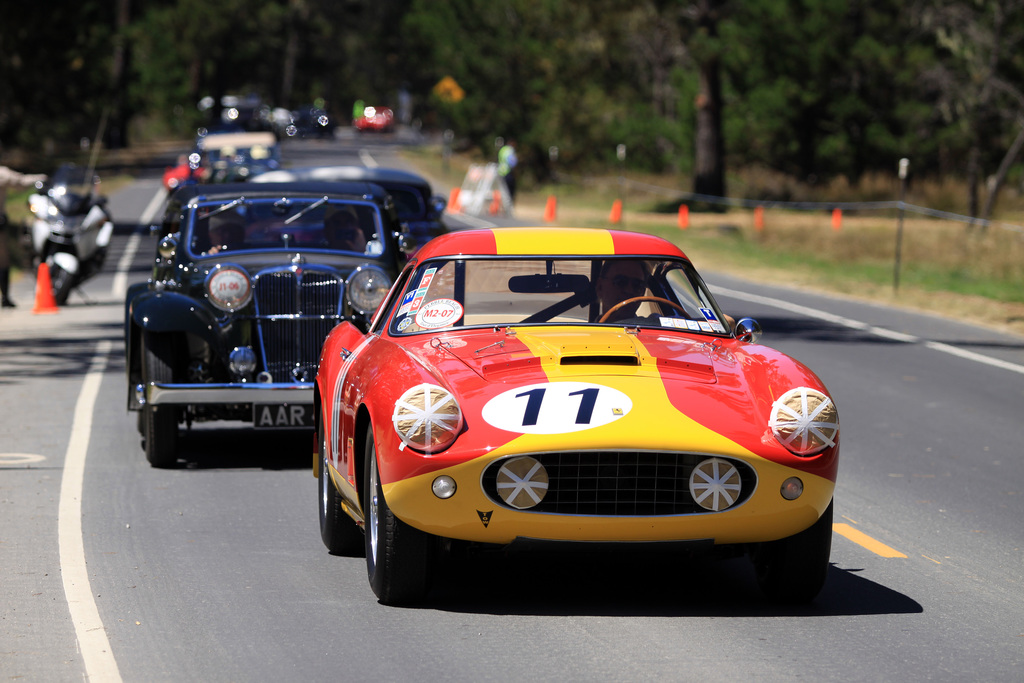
(614, 291)
(266, 224)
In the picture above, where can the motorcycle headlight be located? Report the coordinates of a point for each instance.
(367, 287)
(228, 287)
(805, 421)
(427, 418)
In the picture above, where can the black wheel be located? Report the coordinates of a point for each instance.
(338, 531)
(399, 558)
(793, 569)
(61, 282)
(159, 423)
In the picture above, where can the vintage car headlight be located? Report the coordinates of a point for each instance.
(367, 286)
(805, 421)
(427, 418)
(228, 287)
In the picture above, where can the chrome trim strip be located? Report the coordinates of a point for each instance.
(260, 394)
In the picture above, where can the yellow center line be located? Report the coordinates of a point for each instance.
(862, 539)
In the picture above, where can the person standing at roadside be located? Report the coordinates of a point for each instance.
(9, 178)
(507, 162)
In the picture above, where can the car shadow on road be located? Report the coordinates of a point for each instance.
(235, 445)
(648, 583)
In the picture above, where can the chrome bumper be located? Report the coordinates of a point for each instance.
(194, 394)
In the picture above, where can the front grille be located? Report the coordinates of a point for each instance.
(295, 310)
(619, 483)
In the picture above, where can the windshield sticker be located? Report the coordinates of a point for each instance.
(406, 303)
(439, 313)
(705, 326)
(428, 275)
(556, 408)
(709, 315)
(404, 324)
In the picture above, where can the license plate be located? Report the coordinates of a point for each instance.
(282, 416)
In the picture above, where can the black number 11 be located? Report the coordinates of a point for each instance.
(536, 396)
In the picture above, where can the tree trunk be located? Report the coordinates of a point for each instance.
(709, 164)
(1000, 177)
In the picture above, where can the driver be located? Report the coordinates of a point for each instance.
(342, 231)
(225, 236)
(619, 280)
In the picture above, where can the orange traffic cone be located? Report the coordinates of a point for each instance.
(550, 209)
(616, 214)
(45, 303)
(684, 216)
(453, 201)
(759, 218)
(495, 203)
(837, 219)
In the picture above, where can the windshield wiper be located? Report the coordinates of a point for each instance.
(300, 214)
(230, 205)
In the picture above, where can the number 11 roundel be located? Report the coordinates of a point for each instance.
(556, 408)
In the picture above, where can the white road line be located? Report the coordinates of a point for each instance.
(367, 159)
(120, 284)
(870, 329)
(92, 637)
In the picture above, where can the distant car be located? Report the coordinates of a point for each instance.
(420, 210)
(247, 282)
(237, 157)
(534, 386)
(375, 119)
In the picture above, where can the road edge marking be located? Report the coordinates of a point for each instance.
(92, 636)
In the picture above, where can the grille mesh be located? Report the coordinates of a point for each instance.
(295, 310)
(619, 483)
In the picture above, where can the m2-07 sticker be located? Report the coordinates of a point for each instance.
(556, 408)
(439, 313)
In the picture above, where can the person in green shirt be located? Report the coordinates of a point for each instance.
(507, 162)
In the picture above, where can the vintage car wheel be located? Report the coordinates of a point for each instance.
(339, 533)
(159, 424)
(793, 569)
(399, 558)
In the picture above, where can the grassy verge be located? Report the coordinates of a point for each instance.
(945, 267)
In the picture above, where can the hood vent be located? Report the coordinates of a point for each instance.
(629, 361)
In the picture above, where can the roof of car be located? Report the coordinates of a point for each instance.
(342, 173)
(233, 190)
(543, 241)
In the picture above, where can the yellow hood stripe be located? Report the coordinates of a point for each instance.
(544, 241)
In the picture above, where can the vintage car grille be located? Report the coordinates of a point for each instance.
(619, 483)
(295, 310)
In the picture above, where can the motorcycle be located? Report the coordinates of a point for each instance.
(71, 228)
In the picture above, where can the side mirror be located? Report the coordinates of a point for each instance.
(438, 204)
(748, 330)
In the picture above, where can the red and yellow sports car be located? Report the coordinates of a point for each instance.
(531, 385)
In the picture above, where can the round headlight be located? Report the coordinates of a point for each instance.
(228, 287)
(427, 418)
(805, 421)
(366, 288)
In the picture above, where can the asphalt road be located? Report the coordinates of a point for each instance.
(216, 572)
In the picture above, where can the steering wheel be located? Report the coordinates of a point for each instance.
(636, 299)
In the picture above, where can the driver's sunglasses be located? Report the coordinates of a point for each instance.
(632, 284)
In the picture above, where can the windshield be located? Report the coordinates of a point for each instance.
(465, 292)
(273, 224)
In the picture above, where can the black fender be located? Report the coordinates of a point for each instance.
(167, 312)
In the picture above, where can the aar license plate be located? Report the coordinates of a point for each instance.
(282, 416)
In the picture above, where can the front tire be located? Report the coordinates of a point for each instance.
(793, 569)
(159, 423)
(399, 558)
(61, 282)
(338, 531)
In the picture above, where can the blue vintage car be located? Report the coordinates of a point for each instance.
(247, 282)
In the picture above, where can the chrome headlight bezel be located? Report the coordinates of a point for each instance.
(228, 287)
(366, 287)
